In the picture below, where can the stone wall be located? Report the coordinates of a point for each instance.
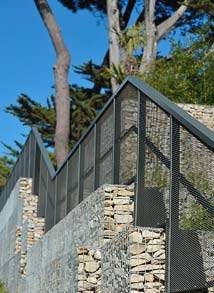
(93, 222)
(133, 261)
(203, 113)
(20, 229)
(94, 249)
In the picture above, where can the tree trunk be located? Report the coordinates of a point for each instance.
(114, 31)
(150, 48)
(61, 69)
(155, 33)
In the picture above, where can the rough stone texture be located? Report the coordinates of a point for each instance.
(89, 269)
(56, 254)
(202, 113)
(128, 269)
(18, 212)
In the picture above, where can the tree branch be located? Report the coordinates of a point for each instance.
(126, 15)
(166, 26)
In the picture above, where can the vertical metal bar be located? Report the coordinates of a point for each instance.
(173, 193)
(46, 197)
(29, 154)
(96, 156)
(141, 148)
(116, 141)
(80, 175)
(36, 170)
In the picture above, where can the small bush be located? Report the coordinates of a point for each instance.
(2, 288)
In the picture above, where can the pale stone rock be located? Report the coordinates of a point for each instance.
(149, 277)
(81, 277)
(146, 257)
(127, 208)
(150, 234)
(108, 203)
(159, 253)
(156, 242)
(84, 285)
(151, 285)
(96, 274)
(136, 262)
(151, 291)
(153, 248)
(121, 200)
(109, 233)
(125, 192)
(109, 223)
(138, 285)
(146, 267)
(85, 258)
(91, 267)
(92, 280)
(109, 188)
(137, 249)
(97, 255)
(123, 219)
(135, 237)
(135, 278)
(159, 274)
(91, 252)
(108, 212)
(120, 227)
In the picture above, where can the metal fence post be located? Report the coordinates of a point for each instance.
(173, 193)
(116, 141)
(141, 134)
(96, 156)
(80, 175)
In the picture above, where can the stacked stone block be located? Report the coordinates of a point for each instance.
(89, 270)
(118, 209)
(32, 228)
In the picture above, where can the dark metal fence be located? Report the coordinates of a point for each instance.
(174, 176)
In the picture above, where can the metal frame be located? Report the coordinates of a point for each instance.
(178, 118)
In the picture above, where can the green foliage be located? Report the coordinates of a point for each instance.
(2, 288)
(187, 76)
(132, 38)
(84, 106)
(5, 167)
(198, 218)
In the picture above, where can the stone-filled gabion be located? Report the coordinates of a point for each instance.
(32, 227)
(133, 261)
(147, 259)
(118, 209)
(89, 270)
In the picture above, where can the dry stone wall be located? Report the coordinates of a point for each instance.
(203, 113)
(20, 229)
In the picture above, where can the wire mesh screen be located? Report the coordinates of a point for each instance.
(42, 192)
(72, 182)
(88, 164)
(105, 155)
(153, 200)
(177, 192)
(194, 231)
(50, 205)
(127, 107)
(61, 194)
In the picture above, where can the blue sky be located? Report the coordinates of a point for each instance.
(27, 55)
